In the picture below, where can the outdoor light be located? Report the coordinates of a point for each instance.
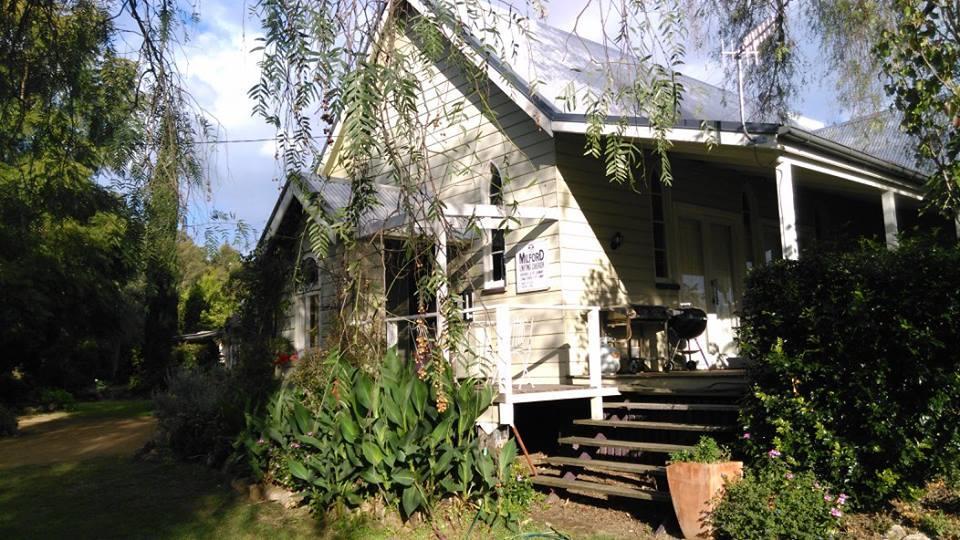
(616, 240)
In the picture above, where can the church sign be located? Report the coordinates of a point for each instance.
(532, 267)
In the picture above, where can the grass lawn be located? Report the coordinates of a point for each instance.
(115, 497)
(113, 409)
(78, 493)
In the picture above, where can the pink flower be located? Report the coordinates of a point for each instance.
(746, 435)
(294, 445)
(835, 512)
(309, 434)
(261, 441)
(774, 453)
(828, 497)
(842, 499)
(789, 476)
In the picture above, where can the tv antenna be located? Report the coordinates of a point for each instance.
(749, 48)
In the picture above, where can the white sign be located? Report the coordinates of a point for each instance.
(532, 267)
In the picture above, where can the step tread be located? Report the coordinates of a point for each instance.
(630, 445)
(638, 424)
(606, 465)
(672, 406)
(606, 489)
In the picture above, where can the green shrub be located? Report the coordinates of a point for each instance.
(57, 399)
(773, 502)
(8, 422)
(406, 435)
(857, 363)
(705, 451)
(198, 414)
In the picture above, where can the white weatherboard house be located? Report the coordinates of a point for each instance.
(544, 288)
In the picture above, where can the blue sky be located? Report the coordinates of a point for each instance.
(219, 70)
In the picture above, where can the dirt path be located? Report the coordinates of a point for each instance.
(59, 437)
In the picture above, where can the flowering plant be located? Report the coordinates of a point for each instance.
(284, 360)
(774, 501)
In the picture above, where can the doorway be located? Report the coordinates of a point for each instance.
(711, 267)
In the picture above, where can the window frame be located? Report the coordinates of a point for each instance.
(307, 294)
(668, 224)
(494, 195)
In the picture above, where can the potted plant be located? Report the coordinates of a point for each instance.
(695, 477)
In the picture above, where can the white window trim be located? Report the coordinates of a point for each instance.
(491, 285)
(303, 308)
(305, 299)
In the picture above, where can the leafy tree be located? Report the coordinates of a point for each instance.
(920, 55)
(206, 297)
(69, 248)
(907, 50)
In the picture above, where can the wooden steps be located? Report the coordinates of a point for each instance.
(605, 489)
(627, 445)
(592, 460)
(605, 465)
(652, 406)
(667, 426)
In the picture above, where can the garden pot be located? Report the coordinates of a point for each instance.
(693, 487)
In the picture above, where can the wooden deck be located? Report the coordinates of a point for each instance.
(527, 393)
(720, 382)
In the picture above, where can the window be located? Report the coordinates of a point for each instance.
(495, 262)
(310, 304)
(661, 267)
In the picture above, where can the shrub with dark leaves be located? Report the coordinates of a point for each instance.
(858, 366)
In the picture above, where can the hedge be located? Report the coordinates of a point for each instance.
(857, 365)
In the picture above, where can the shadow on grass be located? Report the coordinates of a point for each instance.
(120, 498)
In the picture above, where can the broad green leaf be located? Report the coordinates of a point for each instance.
(507, 454)
(403, 477)
(410, 500)
(298, 470)
(372, 452)
(372, 476)
(349, 429)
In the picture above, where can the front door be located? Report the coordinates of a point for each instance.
(711, 265)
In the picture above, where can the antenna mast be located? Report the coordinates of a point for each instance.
(749, 47)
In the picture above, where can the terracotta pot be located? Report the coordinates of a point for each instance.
(693, 487)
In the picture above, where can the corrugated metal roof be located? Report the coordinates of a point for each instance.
(878, 135)
(336, 194)
(546, 61)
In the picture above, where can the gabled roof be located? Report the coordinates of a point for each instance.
(543, 61)
(334, 194)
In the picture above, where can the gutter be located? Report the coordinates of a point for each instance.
(837, 149)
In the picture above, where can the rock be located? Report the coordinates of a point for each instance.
(916, 536)
(255, 493)
(895, 532)
(281, 495)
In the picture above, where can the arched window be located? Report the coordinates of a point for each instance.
(309, 274)
(495, 262)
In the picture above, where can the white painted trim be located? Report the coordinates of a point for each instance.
(890, 227)
(509, 212)
(539, 116)
(556, 395)
(676, 134)
(839, 169)
(787, 209)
